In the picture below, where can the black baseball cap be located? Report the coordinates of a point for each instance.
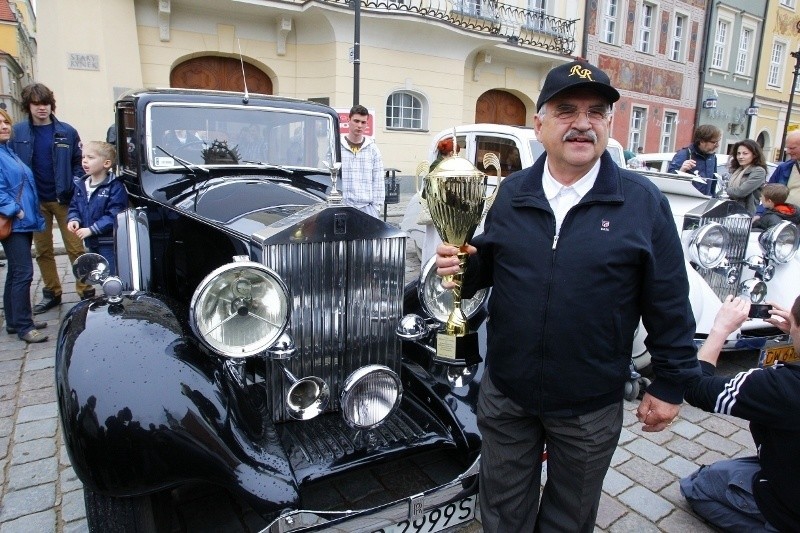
(576, 75)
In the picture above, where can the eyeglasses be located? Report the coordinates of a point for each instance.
(570, 114)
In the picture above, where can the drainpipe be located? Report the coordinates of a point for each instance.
(703, 59)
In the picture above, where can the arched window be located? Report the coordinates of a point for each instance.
(406, 110)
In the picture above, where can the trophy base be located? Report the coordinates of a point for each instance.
(457, 350)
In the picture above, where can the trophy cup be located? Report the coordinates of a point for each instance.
(456, 195)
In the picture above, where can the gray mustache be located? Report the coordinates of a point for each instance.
(575, 134)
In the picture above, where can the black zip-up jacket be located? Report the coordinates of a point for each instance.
(770, 399)
(563, 311)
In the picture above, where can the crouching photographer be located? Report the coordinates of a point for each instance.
(751, 493)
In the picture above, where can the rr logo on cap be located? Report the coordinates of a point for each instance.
(581, 72)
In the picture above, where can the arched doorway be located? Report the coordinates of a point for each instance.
(500, 107)
(220, 74)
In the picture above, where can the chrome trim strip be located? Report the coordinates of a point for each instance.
(133, 248)
(381, 516)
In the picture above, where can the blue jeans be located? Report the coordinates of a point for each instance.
(17, 295)
(107, 251)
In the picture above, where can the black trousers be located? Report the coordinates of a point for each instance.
(579, 451)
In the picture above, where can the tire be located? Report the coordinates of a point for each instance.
(631, 390)
(107, 514)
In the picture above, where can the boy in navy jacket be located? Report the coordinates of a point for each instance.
(97, 198)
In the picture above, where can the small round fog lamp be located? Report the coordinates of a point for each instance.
(370, 395)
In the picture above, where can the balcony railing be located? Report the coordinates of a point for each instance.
(523, 27)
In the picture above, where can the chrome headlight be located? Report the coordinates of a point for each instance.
(438, 301)
(370, 395)
(780, 242)
(708, 245)
(240, 309)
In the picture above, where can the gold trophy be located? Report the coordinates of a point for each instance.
(455, 192)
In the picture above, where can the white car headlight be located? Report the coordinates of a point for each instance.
(438, 301)
(780, 242)
(370, 395)
(240, 309)
(708, 245)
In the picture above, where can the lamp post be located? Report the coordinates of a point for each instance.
(796, 56)
(356, 51)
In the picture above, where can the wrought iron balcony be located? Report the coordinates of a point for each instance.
(523, 27)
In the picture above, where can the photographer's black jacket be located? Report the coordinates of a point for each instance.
(563, 312)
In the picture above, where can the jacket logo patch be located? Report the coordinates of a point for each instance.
(605, 225)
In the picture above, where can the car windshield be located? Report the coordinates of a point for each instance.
(237, 135)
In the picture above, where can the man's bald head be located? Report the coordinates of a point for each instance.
(793, 144)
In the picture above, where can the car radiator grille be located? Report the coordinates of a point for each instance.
(739, 228)
(346, 301)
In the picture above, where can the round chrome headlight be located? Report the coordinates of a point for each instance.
(780, 242)
(240, 309)
(438, 301)
(370, 395)
(708, 245)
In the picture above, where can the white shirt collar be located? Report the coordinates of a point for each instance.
(552, 188)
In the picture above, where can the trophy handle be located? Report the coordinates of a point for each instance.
(419, 176)
(490, 160)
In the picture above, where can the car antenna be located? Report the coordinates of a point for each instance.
(244, 78)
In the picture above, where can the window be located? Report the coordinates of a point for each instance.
(536, 17)
(678, 37)
(720, 44)
(743, 55)
(776, 64)
(788, 3)
(404, 111)
(668, 132)
(646, 28)
(475, 8)
(608, 26)
(636, 134)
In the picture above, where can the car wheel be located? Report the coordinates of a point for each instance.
(108, 514)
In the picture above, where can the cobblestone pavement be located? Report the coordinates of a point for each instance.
(40, 493)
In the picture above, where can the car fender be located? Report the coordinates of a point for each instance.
(143, 409)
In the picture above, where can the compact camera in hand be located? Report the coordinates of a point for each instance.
(759, 311)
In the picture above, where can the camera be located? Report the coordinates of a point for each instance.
(759, 311)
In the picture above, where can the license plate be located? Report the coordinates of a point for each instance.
(437, 519)
(784, 353)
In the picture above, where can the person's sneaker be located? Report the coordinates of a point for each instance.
(48, 301)
(37, 325)
(33, 335)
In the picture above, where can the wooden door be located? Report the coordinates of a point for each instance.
(500, 107)
(219, 73)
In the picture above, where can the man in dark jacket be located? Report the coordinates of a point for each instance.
(751, 493)
(788, 172)
(700, 158)
(576, 250)
(53, 151)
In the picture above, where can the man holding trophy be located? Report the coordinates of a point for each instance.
(576, 250)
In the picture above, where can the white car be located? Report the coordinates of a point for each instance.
(659, 162)
(723, 256)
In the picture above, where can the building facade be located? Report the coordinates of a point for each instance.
(17, 53)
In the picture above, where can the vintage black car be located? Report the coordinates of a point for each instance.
(259, 336)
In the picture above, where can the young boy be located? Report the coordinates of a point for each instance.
(773, 198)
(98, 197)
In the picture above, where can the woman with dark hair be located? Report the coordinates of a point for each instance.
(748, 173)
(18, 201)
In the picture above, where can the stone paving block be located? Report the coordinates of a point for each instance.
(40, 364)
(615, 483)
(609, 512)
(626, 436)
(81, 526)
(680, 522)
(37, 396)
(36, 430)
(3, 463)
(11, 367)
(37, 379)
(72, 506)
(633, 523)
(8, 392)
(710, 456)
(33, 450)
(8, 353)
(620, 456)
(645, 502)
(27, 501)
(646, 474)
(63, 455)
(6, 426)
(678, 466)
(672, 493)
(629, 414)
(719, 425)
(8, 408)
(743, 438)
(658, 437)
(647, 450)
(688, 430)
(37, 412)
(685, 448)
(716, 443)
(69, 480)
(4, 444)
(31, 474)
(44, 522)
(692, 414)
